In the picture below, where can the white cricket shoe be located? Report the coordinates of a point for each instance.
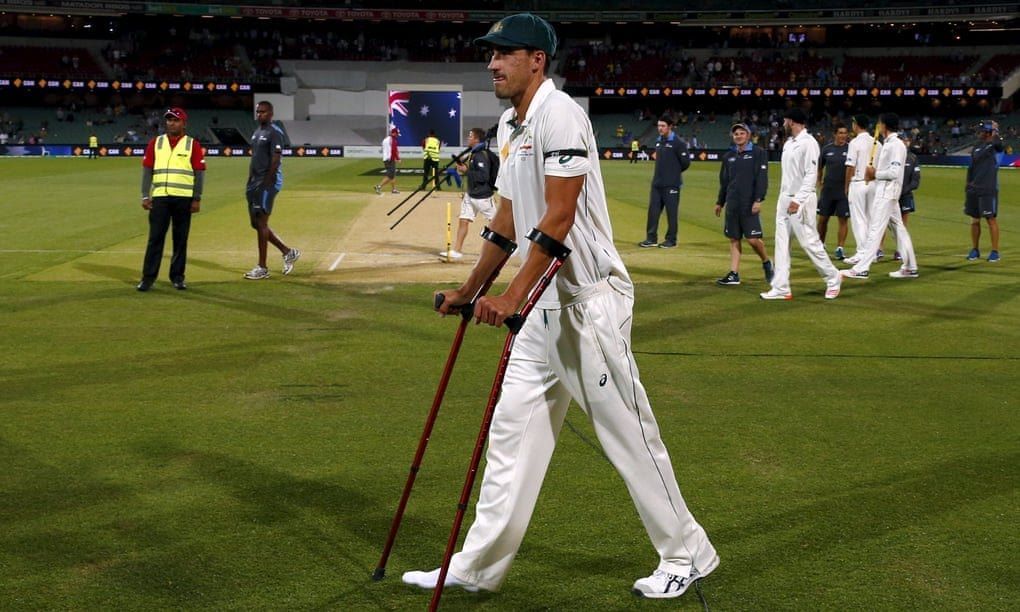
(428, 580)
(772, 294)
(853, 260)
(257, 273)
(904, 273)
(832, 291)
(663, 585)
(851, 273)
(289, 259)
(451, 254)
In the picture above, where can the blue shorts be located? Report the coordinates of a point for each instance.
(977, 206)
(260, 201)
(741, 224)
(907, 203)
(833, 204)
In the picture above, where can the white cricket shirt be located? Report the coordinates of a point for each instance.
(556, 139)
(889, 168)
(858, 152)
(799, 167)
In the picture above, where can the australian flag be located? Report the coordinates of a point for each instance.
(414, 113)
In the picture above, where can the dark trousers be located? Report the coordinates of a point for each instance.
(662, 198)
(431, 173)
(164, 212)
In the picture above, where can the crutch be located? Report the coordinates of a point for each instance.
(508, 246)
(514, 324)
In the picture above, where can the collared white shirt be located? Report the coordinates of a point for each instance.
(799, 167)
(889, 168)
(859, 152)
(387, 148)
(556, 139)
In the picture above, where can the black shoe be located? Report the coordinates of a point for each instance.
(647, 244)
(732, 278)
(770, 271)
(144, 285)
(179, 285)
(669, 244)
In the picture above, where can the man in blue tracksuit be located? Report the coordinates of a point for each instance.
(983, 189)
(743, 183)
(671, 159)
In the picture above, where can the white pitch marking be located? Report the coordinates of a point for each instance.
(337, 261)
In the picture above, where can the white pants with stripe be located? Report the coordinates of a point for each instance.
(861, 197)
(581, 352)
(801, 225)
(887, 213)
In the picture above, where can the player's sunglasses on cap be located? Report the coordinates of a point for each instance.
(521, 31)
(176, 112)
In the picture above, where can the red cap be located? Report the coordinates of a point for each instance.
(394, 131)
(176, 112)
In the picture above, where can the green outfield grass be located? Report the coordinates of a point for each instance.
(242, 446)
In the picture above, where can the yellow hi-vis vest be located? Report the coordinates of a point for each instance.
(172, 174)
(93, 142)
(432, 148)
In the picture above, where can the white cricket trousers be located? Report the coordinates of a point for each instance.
(887, 213)
(861, 197)
(802, 226)
(582, 352)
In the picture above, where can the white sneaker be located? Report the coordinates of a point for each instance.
(772, 294)
(853, 260)
(851, 273)
(451, 255)
(832, 291)
(904, 273)
(257, 273)
(289, 259)
(428, 580)
(663, 585)
(378, 189)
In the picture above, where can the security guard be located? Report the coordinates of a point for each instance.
(93, 146)
(173, 170)
(431, 154)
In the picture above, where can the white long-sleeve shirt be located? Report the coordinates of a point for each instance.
(858, 154)
(800, 167)
(889, 168)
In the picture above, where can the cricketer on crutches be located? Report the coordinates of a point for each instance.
(508, 247)
(514, 323)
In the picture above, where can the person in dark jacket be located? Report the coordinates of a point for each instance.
(480, 171)
(983, 189)
(671, 160)
(743, 183)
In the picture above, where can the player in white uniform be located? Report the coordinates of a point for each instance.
(796, 209)
(860, 192)
(576, 342)
(887, 175)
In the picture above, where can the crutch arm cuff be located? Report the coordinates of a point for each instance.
(504, 243)
(550, 245)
